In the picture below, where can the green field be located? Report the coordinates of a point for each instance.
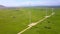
(13, 21)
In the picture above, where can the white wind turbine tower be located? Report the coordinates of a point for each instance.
(53, 11)
(46, 12)
(30, 14)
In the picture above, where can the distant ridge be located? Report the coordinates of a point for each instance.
(5, 7)
(1, 6)
(50, 6)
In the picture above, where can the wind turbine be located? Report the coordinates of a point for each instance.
(30, 14)
(46, 13)
(53, 11)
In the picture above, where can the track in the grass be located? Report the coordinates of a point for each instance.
(33, 24)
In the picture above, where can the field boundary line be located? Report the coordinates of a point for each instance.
(33, 24)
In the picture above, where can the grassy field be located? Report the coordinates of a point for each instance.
(13, 21)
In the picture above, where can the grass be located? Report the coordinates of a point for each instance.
(13, 21)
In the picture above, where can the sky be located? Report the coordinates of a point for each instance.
(15, 3)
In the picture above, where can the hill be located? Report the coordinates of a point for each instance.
(2, 6)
